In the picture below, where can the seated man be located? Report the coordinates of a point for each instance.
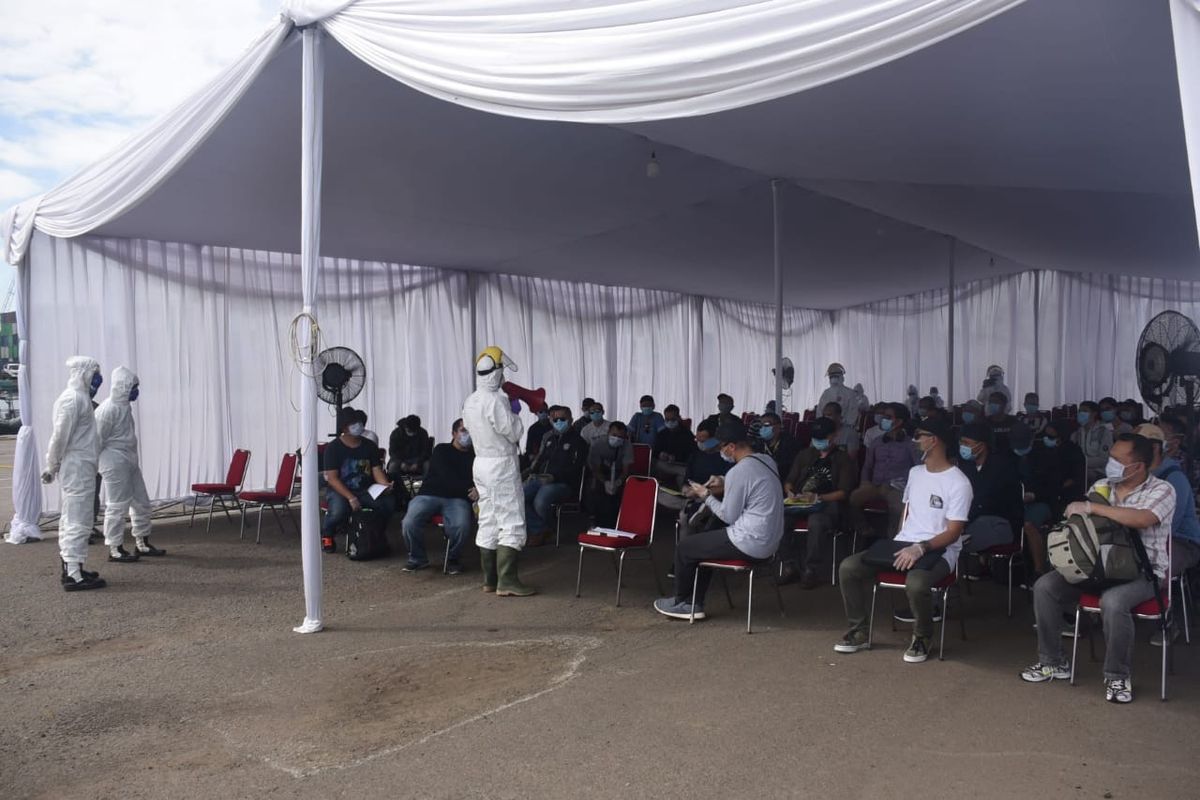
(610, 461)
(1139, 501)
(822, 474)
(844, 436)
(997, 507)
(1108, 415)
(585, 414)
(1094, 439)
(1033, 416)
(408, 448)
(644, 426)
(673, 447)
(724, 411)
(999, 420)
(1129, 411)
(874, 432)
(777, 443)
(449, 490)
(972, 411)
(751, 506)
(884, 473)
(1052, 473)
(703, 467)
(554, 476)
(533, 439)
(937, 501)
(352, 465)
(596, 427)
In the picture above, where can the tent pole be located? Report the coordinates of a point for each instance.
(775, 190)
(950, 329)
(1037, 324)
(312, 141)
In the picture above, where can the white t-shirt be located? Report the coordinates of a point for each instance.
(933, 499)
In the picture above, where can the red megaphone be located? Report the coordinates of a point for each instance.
(535, 399)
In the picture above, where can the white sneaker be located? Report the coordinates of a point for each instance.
(1119, 690)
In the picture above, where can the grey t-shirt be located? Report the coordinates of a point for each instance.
(752, 507)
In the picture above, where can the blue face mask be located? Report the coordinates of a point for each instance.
(1049, 441)
(879, 419)
(766, 432)
(1022, 451)
(543, 416)
(133, 393)
(885, 424)
(821, 444)
(671, 424)
(1126, 415)
(968, 416)
(597, 416)
(647, 410)
(97, 379)
(1083, 417)
(560, 425)
(965, 453)
(464, 439)
(1108, 415)
(707, 444)
(993, 409)
(1031, 408)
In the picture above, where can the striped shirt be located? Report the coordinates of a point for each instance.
(1158, 497)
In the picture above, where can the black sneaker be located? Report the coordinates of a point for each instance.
(91, 580)
(413, 566)
(121, 555)
(144, 548)
(918, 651)
(453, 568)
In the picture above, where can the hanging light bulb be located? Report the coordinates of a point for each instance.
(652, 167)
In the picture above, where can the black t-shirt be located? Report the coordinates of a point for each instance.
(533, 439)
(409, 449)
(352, 464)
(449, 473)
(996, 489)
(1001, 427)
(679, 443)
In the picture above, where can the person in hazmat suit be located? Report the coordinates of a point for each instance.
(838, 392)
(994, 382)
(71, 457)
(123, 485)
(496, 434)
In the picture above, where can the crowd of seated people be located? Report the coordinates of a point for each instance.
(919, 491)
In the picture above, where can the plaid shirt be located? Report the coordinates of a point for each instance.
(1157, 496)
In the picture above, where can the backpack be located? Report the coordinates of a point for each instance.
(366, 538)
(1094, 553)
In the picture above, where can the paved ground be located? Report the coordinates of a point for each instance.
(183, 680)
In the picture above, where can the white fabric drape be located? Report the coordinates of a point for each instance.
(615, 61)
(27, 494)
(1185, 26)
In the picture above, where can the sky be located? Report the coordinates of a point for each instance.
(78, 77)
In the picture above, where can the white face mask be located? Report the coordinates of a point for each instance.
(835, 380)
(616, 441)
(1114, 471)
(464, 439)
(355, 429)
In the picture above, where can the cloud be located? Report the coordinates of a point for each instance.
(79, 76)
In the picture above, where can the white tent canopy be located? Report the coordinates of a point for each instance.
(1035, 136)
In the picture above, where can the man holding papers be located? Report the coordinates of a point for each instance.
(352, 466)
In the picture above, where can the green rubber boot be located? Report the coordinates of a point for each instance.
(509, 584)
(487, 563)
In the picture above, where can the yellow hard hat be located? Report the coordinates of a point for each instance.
(492, 358)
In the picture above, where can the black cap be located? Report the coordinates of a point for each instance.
(822, 428)
(976, 432)
(734, 432)
(937, 426)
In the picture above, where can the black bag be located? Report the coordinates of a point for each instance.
(366, 538)
(882, 554)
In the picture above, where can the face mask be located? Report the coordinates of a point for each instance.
(133, 394)
(671, 424)
(560, 425)
(766, 432)
(993, 409)
(1114, 471)
(97, 379)
(1031, 408)
(923, 413)
(464, 439)
(1049, 442)
(966, 453)
(1022, 451)
(885, 424)
(1126, 415)
(968, 416)
(616, 441)
(835, 380)
(597, 416)
(355, 428)
(647, 410)
(1083, 417)
(821, 444)
(728, 458)
(724, 408)
(707, 444)
(1108, 415)
(879, 419)
(543, 416)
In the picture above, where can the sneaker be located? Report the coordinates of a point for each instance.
(918, 651)
(90, 581)
(415, 566)
(852, 642)
(1040, 673)
(906, 615)
(669, 607)
(328, 544)
(1119, 690)
(453, 568)
(1157, 638)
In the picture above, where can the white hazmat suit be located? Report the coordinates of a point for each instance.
(495, 434)
(71, 457)
(124, 489)
(838, 392)
(994, 382)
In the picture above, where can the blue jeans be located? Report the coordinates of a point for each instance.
(540, 500)
(456, 517)
(339, 509)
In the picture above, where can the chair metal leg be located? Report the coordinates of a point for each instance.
(258, 535)
(195, 502)
(1011, 559)
(557, 526)
(695, 584)
(1166, 644)
(242, 528)
(750, 600)
(212, 502)
(620, 571)
(871, 619)
(833, 560)
(579, 572)
(779, 597)
(1075, 646)
(224, 508)
(1183, 605)
(945, 613)
(446, 558)
(287, 510)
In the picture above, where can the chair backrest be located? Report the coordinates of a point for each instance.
(287, 474)
(803, 434)
(639, 506)
(641, 460)
(236, 475)
(810, 415)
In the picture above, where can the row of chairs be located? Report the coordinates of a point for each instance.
(232, 489)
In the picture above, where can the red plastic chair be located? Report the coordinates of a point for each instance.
(281, 495)
(641, 461)
(639, 508)
(217, 492)
(896, 580)
(736, 565)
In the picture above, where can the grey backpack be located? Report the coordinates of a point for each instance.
(1094, 553)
